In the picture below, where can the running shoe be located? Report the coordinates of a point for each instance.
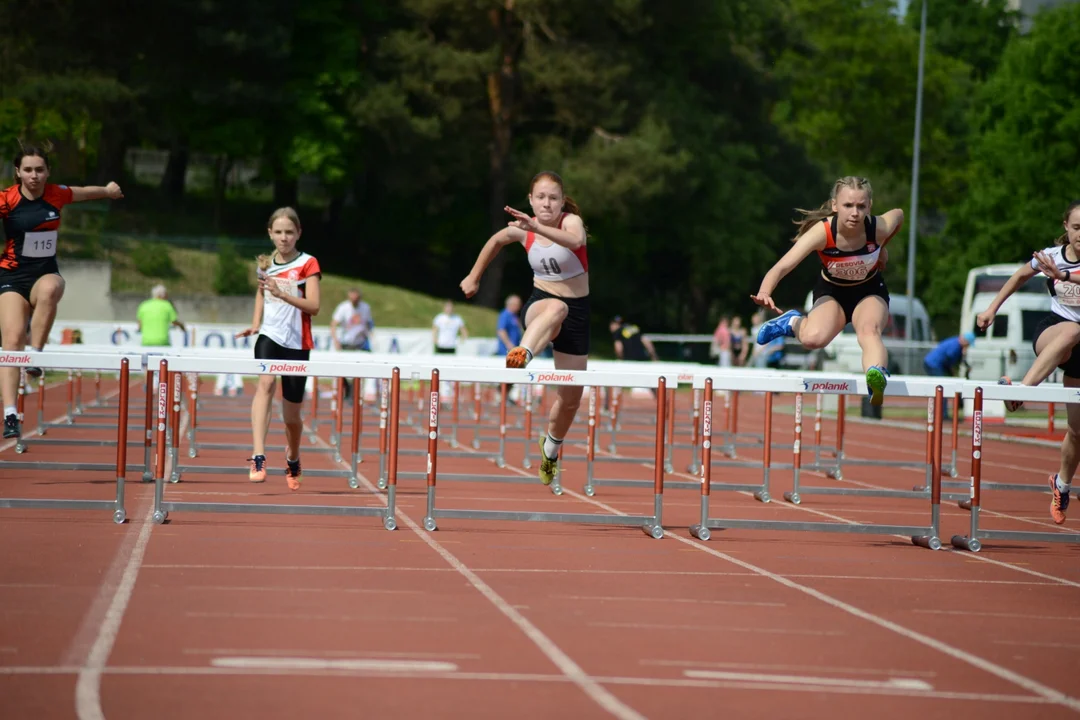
(876, 380)
(1059, 503)
(1014, 405)
(519, 357)
(292, 473)
(34, 372)
(11, 427)
(778, 327)
(257, 474)
(548, 467)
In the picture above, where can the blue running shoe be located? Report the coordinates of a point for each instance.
(778, 327)
(875, 384)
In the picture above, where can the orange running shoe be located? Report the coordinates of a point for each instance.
(292, 473)
(519, 357)
(257, 474)
(1059, 503)
(1011, 405)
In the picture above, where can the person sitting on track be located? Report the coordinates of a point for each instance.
(557, 311)
(1056, 338)
(30, 281)
(850, 242)
(285, 301)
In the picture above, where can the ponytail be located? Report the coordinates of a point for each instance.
(812, 217)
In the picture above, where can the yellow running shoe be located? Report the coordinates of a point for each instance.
(548, 467)
(876, 382)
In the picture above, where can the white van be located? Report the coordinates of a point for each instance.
(906, 354)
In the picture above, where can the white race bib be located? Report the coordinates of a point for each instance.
(39, 244)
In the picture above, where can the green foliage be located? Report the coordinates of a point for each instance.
(232, 276)
(152, 260)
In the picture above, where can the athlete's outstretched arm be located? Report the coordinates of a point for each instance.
(888, 225)
(570, 236)
(256, 320)
(96, 192)
(812, 240)
(491, 248)
(1023, 273)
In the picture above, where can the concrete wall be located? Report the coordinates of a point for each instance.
(87, 297)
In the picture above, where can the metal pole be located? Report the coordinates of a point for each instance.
(913, 220)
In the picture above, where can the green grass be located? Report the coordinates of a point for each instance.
(391, 306)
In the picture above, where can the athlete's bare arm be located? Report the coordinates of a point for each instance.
(570, 236)
(96, 192)
(256, 320)
(811, 241)
(491, 248)
(1023, 273)
(888, 225)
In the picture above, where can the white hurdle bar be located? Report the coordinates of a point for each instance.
(925, 536)
(976, 534)
(72, 362)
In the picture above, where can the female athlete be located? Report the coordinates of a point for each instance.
(850, 243)
(1056, 338)
(285, 301)
(30, 281)
(557, 312)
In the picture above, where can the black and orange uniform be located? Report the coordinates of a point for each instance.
(30, 232)
(848, 276)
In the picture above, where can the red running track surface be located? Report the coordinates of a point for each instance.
(227, 616)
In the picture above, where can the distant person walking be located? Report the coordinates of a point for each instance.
(446, 328)
(155, 317)
(353, 317)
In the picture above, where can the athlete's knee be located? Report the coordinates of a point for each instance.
(48, 290)
(266, 384)
(815, 338)
(571, 398)
(290, 412)
(868, 334)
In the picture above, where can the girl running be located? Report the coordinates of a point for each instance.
(558, 310)
(285, 301)
(1055, 339)
(850, 243)
(30, 282)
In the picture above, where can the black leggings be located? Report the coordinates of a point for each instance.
(292, 386)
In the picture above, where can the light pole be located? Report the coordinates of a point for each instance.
(913, 220)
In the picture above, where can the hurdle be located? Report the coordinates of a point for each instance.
(168, 414)
(652, 524)
(117, 363)
(924, 536)
(976, 534)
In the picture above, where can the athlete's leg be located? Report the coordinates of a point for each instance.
(1054, 346)
(563, 410)
(44, 298)
(824, 322)
(294, 431)
(1061, 484)
(543, 320)
(260, 425)
(14, 311)
(870, 317)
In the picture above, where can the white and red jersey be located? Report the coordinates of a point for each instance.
(555, 262)
(849, 267)
(286, 324)
(1064, 294)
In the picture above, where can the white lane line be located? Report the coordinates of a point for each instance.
(890, 684)
(311, 663)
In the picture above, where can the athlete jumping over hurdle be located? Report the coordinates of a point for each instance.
(285, 301)
(1056, 337)
(30, 282)
(557, 311)
(850, 242)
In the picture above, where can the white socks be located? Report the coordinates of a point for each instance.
(11, 410)
(1063, 487)
(551, 447)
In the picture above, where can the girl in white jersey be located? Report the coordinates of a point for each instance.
(1056, 338)
(850, 243)
(285, 302)
(558, 309)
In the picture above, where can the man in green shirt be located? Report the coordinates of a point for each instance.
(156, 316)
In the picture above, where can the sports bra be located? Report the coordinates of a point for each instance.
(849, 267)
(555, 262)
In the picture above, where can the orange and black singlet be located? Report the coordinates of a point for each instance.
(849, 267)
(30, 229)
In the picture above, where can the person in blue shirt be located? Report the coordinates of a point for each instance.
(944, 360)
(508, 329)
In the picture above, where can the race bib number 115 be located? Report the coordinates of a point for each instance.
(39, 244)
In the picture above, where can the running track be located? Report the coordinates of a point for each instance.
(226, 616)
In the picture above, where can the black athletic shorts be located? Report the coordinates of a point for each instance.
(21, 281)
(292, 386)
(849, 295)
(573, 337)
(1071, 366)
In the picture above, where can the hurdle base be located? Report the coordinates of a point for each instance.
(966, 543)
(913, 532)
(247, 509)
(118, 513)
(931, 542)
(646, 522)
(700, 532)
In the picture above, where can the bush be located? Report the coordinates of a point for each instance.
(233, 273)
(152, 259)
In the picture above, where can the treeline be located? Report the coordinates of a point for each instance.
(687, 131)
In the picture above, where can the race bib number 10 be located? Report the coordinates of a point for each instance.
(39, 244)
